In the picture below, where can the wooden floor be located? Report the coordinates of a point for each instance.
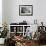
(34, 44)
(1, 45)
(42, 45)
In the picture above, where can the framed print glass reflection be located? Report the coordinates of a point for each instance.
(25, 10)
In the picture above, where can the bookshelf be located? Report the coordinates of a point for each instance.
(18, 29)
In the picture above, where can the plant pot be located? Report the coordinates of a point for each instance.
(2, 40)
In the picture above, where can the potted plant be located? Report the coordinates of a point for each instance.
(3, 34)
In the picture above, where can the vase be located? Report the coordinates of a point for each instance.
(2, 40)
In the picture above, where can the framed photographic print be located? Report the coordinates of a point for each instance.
(25, 10)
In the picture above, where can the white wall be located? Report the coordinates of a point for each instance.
(4, 11)
(0, 13)
(11, 11)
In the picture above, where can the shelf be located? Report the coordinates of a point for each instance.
(12, 32)
(17, 28)
(19, 32)
(19, 25)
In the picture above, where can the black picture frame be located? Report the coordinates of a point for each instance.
(25, 10)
